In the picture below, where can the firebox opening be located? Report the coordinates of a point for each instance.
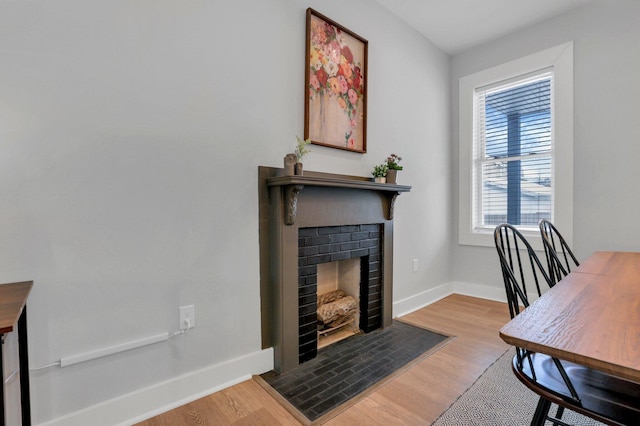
(320, 245)
(338, 300)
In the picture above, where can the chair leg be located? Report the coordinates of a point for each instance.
(559, 413)
(542, 410)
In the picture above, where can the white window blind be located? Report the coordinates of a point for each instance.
(513, 149)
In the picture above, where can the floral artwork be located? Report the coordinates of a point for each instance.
(335, 107)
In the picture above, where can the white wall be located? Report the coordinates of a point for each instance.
(130, 136)
(606, 132)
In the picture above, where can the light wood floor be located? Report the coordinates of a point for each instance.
(416, 397)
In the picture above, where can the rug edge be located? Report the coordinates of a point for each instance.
(471, 385)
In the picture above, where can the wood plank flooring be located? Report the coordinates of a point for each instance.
(416, 397)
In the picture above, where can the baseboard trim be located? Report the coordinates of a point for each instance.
(420, 300)
(427, 297)
(149, 402)
(145, 403)
(482, 291)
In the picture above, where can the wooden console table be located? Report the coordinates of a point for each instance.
(13, 310)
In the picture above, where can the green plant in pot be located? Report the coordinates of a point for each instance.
(302, 149)
(393, 167)
(380, 172)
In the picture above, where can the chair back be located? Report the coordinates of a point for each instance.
(596, 394)
(524, 276)
(522, 272)
(560, 258)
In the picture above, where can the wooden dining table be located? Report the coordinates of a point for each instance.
(591, 317)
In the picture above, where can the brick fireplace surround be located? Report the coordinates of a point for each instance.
(329, 244)
(312, 219)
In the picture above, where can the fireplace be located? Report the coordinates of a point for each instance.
(318, 245)
(306, 222)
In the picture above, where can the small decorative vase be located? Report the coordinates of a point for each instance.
(289, 164)
(380, 179)
(298, 167)
(392, 175)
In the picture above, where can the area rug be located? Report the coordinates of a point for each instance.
(347, 371)
(498, 398)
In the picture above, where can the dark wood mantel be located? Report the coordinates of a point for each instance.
(338, 181)
(293, 185)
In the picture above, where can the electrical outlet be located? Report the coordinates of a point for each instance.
(415, 265)
(187, 317)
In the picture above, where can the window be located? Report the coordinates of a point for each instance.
(516, 138)
(512, 165)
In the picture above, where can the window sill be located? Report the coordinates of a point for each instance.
(484, 238)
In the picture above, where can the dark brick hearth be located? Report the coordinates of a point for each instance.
(328, 244)
(348, 368)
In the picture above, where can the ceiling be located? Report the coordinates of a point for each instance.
(457, 25)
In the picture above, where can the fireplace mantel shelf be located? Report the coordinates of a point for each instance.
(292, 186)
(354, 182)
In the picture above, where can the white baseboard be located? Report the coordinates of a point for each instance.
(482, 291)
(420, 300)
(159, 398)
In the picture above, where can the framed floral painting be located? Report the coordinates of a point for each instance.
(336, 85)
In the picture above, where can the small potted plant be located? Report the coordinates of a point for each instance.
(302, 149)
(379, 173)
(393, 167)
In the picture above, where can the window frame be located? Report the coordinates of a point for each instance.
(560, 60)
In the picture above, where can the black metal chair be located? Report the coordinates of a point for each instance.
(560, 258)
(586, 391)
